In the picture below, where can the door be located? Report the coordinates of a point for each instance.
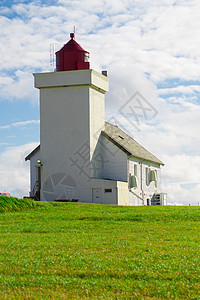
(97, 195)
(38, 181)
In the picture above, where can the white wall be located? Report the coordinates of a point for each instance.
(145, 189)
(122, 193)
(33, 164)
(118, 194)
(96, 125)
(71, 119)
(115, 162)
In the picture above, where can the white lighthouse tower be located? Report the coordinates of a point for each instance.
(72, 118)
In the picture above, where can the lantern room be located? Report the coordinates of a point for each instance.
(72, 57)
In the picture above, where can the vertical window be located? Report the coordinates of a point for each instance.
(135, 170)
(147, 176)
(156, 178)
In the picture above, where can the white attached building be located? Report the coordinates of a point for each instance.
(81, 157)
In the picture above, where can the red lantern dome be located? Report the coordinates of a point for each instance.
(72, 57)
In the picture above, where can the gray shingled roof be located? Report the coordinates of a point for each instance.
(128, 144)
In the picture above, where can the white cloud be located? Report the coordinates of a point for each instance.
(18, 87)
(157, 37)
(188, 89)
(178, 195)
(5, 80)
(124, 83)
(18, 124)
(182, 168)
(14, 171)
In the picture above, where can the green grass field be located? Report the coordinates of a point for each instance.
(83, 251)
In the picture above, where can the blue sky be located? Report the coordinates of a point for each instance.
(150, 47)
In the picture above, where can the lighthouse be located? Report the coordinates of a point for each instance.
(72, 113)
(81, 157)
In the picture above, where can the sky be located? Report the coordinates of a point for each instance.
(151, 52)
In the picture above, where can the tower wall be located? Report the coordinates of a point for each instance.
(72, 117)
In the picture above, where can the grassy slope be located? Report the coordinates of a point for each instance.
(80, 251)
(12, 204)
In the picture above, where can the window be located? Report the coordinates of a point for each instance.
(135, 170)
(86, 57)
(147, 176)
(156, 178)
(107, 190)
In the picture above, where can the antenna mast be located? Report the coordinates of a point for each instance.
(53, 48)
